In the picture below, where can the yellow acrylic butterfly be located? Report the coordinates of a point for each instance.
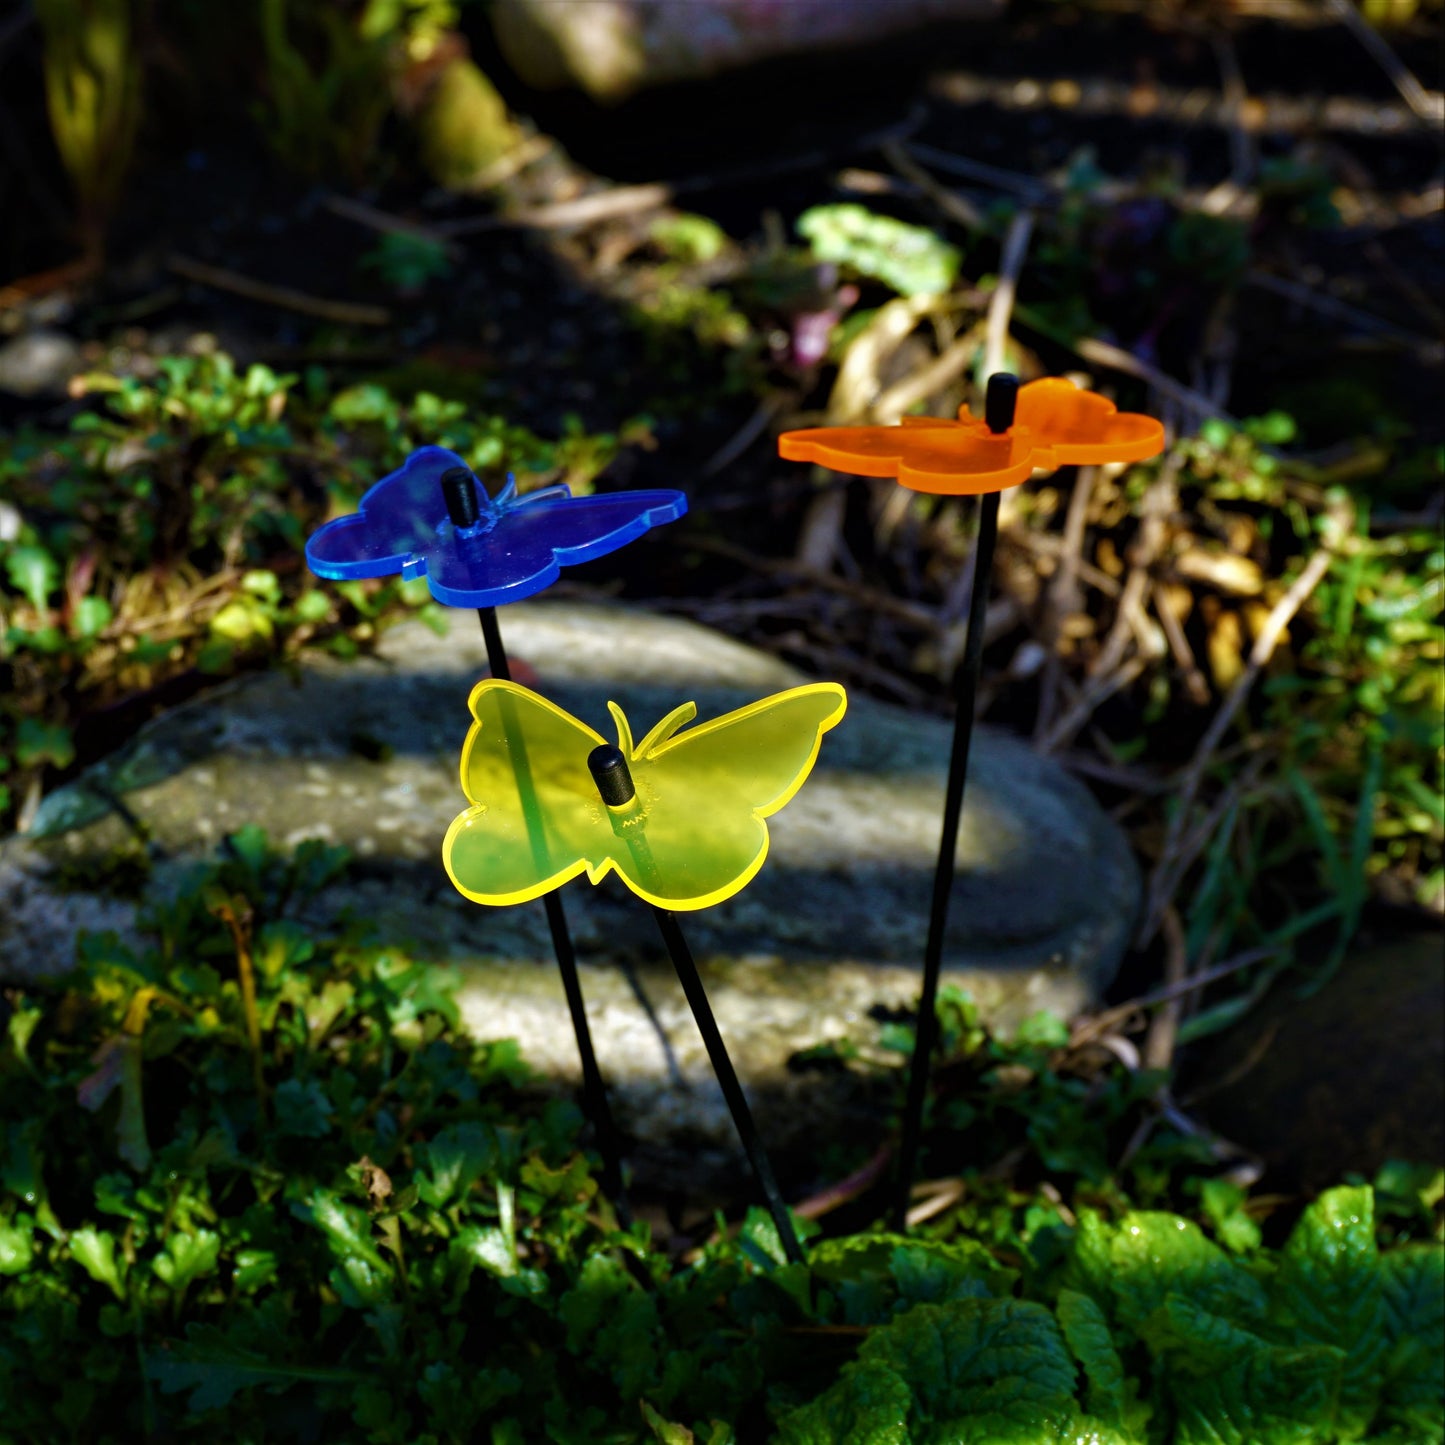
(693, 835)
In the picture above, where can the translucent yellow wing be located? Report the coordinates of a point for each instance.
(535, 819)
(697, 834)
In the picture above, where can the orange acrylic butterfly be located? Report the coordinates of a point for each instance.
(1056, 424)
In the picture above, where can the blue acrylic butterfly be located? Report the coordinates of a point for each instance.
(517, 546)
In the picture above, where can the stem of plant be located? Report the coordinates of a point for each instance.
(1000, 417)
(237, 919)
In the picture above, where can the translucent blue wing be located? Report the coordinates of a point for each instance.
(397, 522)
(517, 547)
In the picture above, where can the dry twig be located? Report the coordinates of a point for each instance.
(1429, 106)
(1063, 598)
(384, 222)
(957, 208)
(1087, 1029)
(1000, 307)
(1159, 1042)
(344, 313)
(1105, 353)
(1193, 775)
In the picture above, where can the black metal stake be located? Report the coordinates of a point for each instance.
(999, 412)
(614, 783)
(458, 486)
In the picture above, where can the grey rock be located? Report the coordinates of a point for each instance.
(612, 47)
(829, 932)
(39, 363)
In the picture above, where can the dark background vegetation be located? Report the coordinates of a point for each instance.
(289, 243)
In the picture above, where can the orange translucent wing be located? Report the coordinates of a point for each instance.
(954, 458)
(1072, 426)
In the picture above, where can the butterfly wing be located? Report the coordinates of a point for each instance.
(1076, 427)
(536, 819)
(955, 458)
(704, 794)
(535, 538)
(395, 524)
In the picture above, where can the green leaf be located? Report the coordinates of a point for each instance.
(254, 1267)
(487, 1246)
(935, 1271)
(303, 1110)
(1230, 1387)
(1087, 1333)
(282, 944)
(92, 616)
(869, 1405)
(687, 237)
(1329, 1291)
(95, 1253)
(16, 1248)
(1130, 1267)
(215, 1369)
(22, 1174)
(979, 1370)
(608, 1315)
(263, 584)
(365, 402)
(457, 1157)
(242, 621)
(360, 1284)
(39, 742)
(313, 606)
(664, 1430)
(346, 1227)
(1223, 1202)
(21, 1026)
(187, 1258)
(33, 573)
(1413, 1278)
(911, 260)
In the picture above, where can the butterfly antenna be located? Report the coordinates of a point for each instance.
(614, 783)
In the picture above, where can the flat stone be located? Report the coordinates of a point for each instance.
(611, 48)
(829, 934)
(39, 363)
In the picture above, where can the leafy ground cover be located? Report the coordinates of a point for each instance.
(162, 534)
(256, 1180)
(253, 1178)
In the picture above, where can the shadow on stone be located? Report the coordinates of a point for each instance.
(365, 754)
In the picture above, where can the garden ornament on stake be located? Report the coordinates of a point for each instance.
(1048, 423)
(432, 518)
(679, 816)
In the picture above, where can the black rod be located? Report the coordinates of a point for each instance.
(1002, 395)
(594, 1091)
(966, 694)
(722, 1066)
(459, 491)
(614, 783)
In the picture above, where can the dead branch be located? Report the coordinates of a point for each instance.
(1429, 106)
(344, 313)
(1193, 775)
